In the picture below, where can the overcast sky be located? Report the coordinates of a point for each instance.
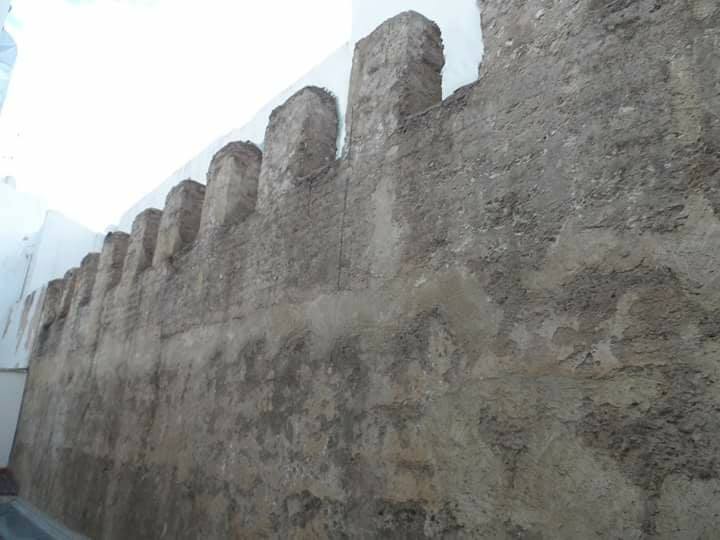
(103, 89)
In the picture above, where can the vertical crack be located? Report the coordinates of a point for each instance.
(348, 157)
(342, 230)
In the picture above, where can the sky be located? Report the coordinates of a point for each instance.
(109, 97)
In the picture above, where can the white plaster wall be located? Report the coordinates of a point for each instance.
(16, 333)
(21, 217)
(459, 21)
(12, 385)
(61, 245)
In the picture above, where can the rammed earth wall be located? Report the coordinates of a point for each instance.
(497, 316)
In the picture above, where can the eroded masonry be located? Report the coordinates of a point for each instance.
(497, 316)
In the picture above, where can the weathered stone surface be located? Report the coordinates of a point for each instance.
(501, 322)
(70, 279)
(396, 73)
(52, 303)
(180, 221)
(111, 262)
(109, 272)
(86, 279)
(232, 184)
(301, 138)
(143, 239)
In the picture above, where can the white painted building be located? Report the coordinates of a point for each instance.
(21, 217)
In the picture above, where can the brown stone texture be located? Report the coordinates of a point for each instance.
(109, 272)
(396, 73)
(86, 279)
(301, 139)
(70, 279)
(141, 247)
(52, 302)
(111, 262)
(499, 319)
(180, 220)
(232, 185)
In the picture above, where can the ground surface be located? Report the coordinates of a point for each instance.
(20, 522)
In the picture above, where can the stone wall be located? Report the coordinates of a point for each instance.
(495, 317)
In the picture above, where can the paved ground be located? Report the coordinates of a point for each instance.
(18, 521)
(15, 526)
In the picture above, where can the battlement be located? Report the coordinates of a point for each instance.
(143, 240)
(483, 302)
(180, 220)
(70, 284)
(232, 185)
(300, 140)
(52, 303)
(86, 277)
(401, 62)
(397, 72)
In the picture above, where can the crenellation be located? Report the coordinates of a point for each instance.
(86, 278)
(110, 265)
(71, 283)
(300, 139)
(397, 72)
(445, 333)
(143, 239)
(232, 185)
(108, 275)
(52, 302)
(180, 220)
